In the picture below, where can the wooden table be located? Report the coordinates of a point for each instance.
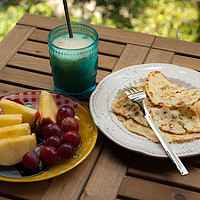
(109, 172)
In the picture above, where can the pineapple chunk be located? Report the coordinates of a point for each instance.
(10, 119)
(47, 108)
(15, 130)
(13, 149)
(29, 115)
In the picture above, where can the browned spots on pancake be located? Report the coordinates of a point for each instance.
(171, 97)
(161, 104)
(151, 93)
(180, 103)
(171, 125)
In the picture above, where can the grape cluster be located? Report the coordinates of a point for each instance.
(61, 140)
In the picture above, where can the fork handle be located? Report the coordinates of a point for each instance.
(175, 159)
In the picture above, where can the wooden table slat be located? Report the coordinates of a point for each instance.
(26, 78)
(135, 188)
(159, 56)
(186, 61)
(106, 62)
(110, 48)
(30, 63)
(105, 33)
(163, 170)
(33, 191)
(178, 46)
(6, 89)
(101, 75)
(108, 173)
(132, 55)
(12, 42)
(35, 49)
(39, 35)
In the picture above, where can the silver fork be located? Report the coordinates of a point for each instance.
(138, 96)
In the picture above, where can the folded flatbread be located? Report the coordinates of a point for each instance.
(147, 132)
(164, 92)
(179, 121)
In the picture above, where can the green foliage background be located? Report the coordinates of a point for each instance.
(159, 17)
(12, 10)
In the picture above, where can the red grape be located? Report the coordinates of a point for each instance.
(73, 138)
(69, 123)
(51, 130)
(49, 155)
(63, 112)
(31, 160)
(66, 151)
(53, 141)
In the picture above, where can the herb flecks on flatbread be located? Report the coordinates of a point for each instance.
(164, 92)
(147, 132)
(176, 122)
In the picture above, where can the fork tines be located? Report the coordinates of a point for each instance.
(133, 90)
(135, 94)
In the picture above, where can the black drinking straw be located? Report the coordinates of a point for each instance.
(67, 18)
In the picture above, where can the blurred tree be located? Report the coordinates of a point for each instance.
(12, 10)
(165, 19)
(159, 17)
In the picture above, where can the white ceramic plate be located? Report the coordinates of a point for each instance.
(106, 92)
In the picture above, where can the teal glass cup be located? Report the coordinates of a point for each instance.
(74, 70)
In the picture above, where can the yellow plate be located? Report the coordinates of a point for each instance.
(87, 130)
